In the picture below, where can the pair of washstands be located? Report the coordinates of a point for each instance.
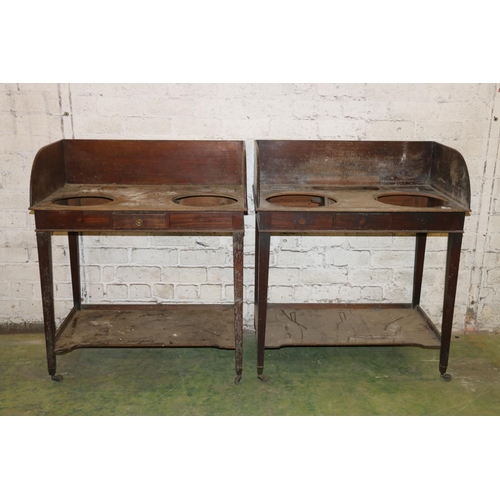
(323, 188)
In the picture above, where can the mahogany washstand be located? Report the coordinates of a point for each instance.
(350, 188)
(139, 187)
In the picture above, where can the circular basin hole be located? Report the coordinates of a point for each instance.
(205, 201)
(83, 201)
(301, 200)
(412, 200)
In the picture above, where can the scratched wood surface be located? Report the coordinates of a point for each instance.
(288, 326)
(177, 327)
(128, 163)
(145, 197)
(313, 164)
(364, 199)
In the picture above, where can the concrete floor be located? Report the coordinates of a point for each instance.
(301, 381)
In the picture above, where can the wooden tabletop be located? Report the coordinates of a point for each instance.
(126, 197)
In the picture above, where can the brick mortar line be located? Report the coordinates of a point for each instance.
(494, 124)
(477, 272)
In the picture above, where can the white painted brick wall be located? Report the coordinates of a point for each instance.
(150, 268)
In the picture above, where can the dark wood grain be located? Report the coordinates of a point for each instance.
(48, 172)
(44, 243)
(238, 298)
(450, 175)
(418, 269)
(72, 221)
(155, 162)
(200, 222)
(74, 259)
(450, 289)
(300, 221)
(427, 222)
(355, 221)
(262, 279)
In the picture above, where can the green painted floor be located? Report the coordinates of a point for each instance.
(301, 381)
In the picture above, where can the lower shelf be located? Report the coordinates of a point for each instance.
(147, 326)
(340, 324)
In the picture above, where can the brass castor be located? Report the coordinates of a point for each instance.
(446, 377)
(57, 378)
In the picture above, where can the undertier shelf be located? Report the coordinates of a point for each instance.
(336, 324)
(148, 326)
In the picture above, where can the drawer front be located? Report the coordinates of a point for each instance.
(139, 221)
(302, 221)
(201, 222)
(428, 222)
(72, 220)
(363, 221)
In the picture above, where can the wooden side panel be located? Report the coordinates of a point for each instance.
(47, 173)
(449, 174)
(155, 162)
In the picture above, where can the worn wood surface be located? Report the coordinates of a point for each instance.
(262, 250)
(44, 246)
(304, 165)
(450, 289)
(418, 268)
(194, 222)
(373, 187)
(144, 197)
(141, 174)
(356, 222)
(74, 259)
(238, 298)
(181, 326)
(344, 162)
(48, 173)
(449, 174)
(303, 325)
(355, 199)
(185, 187)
